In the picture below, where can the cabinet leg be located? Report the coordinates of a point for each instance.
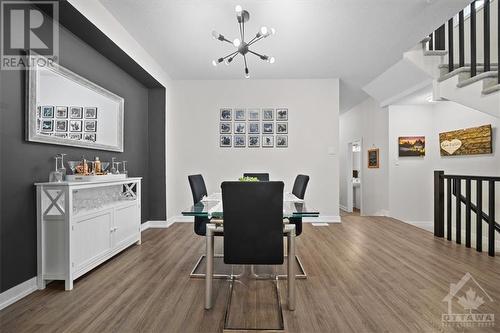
(139, 242)
(68, 284)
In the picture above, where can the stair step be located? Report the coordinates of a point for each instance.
(435, 53)
(456, 66)
(463, 72)
(491, 89)
(477, 78)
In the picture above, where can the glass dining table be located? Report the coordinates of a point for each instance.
(211, 207)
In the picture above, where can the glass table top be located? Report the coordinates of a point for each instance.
(211, 207)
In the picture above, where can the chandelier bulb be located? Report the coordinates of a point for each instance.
(215, 34)
(238, 9)
(263, 30)
(247, 76)
(214, 63)
(271, 60)
(237, 42)
(273, 31)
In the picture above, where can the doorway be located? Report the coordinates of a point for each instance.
(354, 177)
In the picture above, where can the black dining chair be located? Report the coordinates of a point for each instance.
(253, 227)
(299, 190)
(199, 190)
(262, 177)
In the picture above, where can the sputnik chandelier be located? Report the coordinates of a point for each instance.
(243, 47)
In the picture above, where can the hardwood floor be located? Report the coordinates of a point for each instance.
(368, 274)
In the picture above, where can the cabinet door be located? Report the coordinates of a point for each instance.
(127, 225)
(91, 238)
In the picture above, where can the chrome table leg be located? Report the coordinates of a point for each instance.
(209, 266)
(291, 269)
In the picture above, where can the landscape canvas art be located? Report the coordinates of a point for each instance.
(411, 146)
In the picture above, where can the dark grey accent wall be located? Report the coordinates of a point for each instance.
(156, 120)
(23, 163)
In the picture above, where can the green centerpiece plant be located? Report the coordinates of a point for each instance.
(248, 179)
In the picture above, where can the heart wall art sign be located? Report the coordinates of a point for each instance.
(470, 141)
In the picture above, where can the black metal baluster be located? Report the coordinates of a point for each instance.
(451, 48)
(486, 15)
(431, 42)
(473, 42)
(468, 212)
(449, 213)
(440, 38)
(461, 40)
(439, 203)
(479, 215)
(491, 219)
(458, 211)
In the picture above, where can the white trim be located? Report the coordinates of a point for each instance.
(155, 224)
(426, 225)
(322, 219)
(382, 212)
(17, 292)
(344, 208)
(395, 99)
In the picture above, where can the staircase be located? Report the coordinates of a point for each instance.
(460, 59)
(473, 80)
(480, 226)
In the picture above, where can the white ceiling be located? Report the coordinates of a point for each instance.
(354, 40)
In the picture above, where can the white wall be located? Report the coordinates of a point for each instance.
(411, 179)
(193, 137)
(367, 122)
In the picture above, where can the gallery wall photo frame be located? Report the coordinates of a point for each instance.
(241, 127)
(373, 158)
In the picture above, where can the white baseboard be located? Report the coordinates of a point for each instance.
(426, 225)
(155, 224)
(322, 219)
(382, 212)
(16, 293)
(344, 208)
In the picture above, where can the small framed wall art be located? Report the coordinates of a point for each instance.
(373, 158)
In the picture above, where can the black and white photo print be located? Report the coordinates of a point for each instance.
(267, 128)
(225, 141)
(225, 128)
(268, 141)
(281, 114)
(240, 127)
(281, 128)
(226, 114)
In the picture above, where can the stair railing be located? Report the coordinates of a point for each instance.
(454, 189)
(437, 39)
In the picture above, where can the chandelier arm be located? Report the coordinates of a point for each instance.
(255, 40)
(231, 54)
(245, 59)
(241, 31)
(257, 54)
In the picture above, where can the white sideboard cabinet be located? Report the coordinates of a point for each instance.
(82, 224)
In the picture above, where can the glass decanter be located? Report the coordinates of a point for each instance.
(56, 176)
(124, 169)
(113, 167)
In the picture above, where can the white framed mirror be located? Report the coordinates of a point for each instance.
(64, 108)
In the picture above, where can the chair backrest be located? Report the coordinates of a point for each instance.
(198, 188)
(253, 223)
(300, 186)
(263, 177)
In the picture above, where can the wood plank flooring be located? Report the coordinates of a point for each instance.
(368, 274)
